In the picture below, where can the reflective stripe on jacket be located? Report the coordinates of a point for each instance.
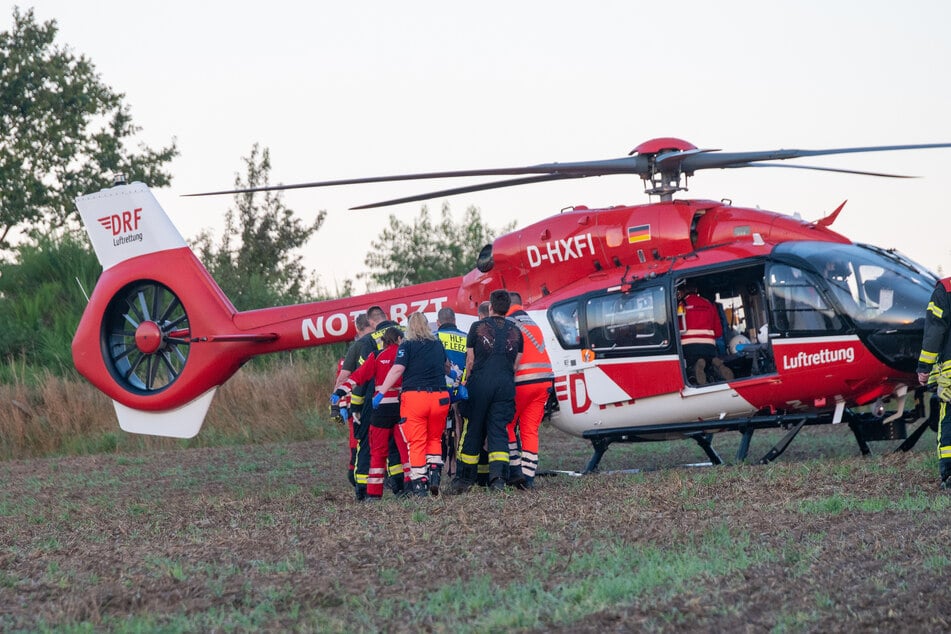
(935, 343)
(535, 365)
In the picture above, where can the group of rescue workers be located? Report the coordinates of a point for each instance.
(408, 395)
(418, 401)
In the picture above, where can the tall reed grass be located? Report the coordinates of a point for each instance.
(281, 399)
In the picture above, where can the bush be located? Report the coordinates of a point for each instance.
(41, 301)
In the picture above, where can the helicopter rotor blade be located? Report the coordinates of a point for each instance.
(469, 188)
(713, 160)
(668, 162)
(822, 169)
(624, 165)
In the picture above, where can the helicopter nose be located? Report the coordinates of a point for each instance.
(897, 348)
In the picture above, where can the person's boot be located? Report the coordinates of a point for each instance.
(722, 370)
(435, 477)
(396, 484)
(419, 488)
(515, 476)
(360, 492)
(700, 372)
(497, 471)
(465, 477)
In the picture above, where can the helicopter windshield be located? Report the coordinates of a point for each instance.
(877, 289)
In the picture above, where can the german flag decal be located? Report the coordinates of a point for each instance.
(640, 233)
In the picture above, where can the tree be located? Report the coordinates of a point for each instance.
(405, 254)
(253, 263)
(62, 131)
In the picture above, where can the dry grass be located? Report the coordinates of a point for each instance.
(50, 415)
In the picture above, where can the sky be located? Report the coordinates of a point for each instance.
(352, 89)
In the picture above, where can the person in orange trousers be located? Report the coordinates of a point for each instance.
(421, 364)
(533, 380)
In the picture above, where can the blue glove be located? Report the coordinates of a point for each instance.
(376, 399)
(338, 394)
(344, 414)
(458, 393)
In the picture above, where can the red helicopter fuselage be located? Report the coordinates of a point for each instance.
(159, 334)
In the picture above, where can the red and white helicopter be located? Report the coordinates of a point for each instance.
(817, 325)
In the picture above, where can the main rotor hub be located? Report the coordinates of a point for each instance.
(663, 156)
(662, 145)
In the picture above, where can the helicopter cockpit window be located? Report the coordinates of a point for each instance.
(564, 319)
(796, 303)
(877, 289)
(628, 321)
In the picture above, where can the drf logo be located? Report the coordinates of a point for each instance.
(125, 222)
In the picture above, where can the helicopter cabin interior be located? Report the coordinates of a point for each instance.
(757, 301)
(643, 322)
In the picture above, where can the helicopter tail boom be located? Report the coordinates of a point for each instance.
(158, 335)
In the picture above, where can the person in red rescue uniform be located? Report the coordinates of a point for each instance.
(534, 379)
(700, 328)
(371, 343)
(422, 365)
(386, 410)
(934, 365)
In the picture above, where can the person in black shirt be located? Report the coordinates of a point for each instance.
(493, 350)
(424, 402)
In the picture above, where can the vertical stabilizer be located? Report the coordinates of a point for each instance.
(126, 221)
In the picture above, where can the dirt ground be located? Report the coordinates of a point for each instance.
(268, 537)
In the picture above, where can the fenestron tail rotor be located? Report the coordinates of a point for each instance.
(145, 337)
(663, 164)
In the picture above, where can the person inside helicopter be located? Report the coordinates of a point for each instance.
(700, 327)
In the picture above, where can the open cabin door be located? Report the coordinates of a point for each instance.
(742, 342)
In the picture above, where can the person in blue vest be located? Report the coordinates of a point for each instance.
(454, 341)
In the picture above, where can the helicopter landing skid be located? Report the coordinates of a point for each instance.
(865, 428)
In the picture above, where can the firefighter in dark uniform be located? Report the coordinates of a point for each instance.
(351, 361)
(493, 350)
(370, 344)
(934, 366)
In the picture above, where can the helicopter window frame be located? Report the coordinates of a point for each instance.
(798, 304)
(564, 319)
(629, 323)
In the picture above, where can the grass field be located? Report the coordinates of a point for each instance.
(267, 537)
